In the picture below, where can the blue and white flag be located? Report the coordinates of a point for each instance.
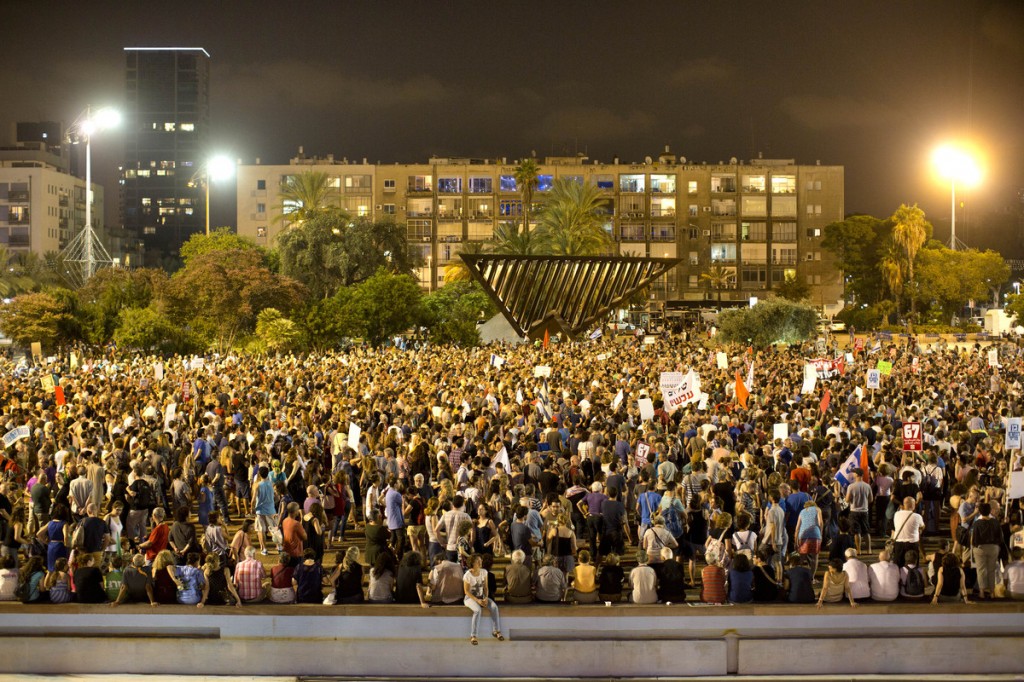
(845, 473)
(497, 361)
(14, 435)
(596, 334)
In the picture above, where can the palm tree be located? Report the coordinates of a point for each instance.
(570, 222)
(719, 278)
(14, 277)
(304, 195)
(892, 268)
(513, 239)
(457, 271)
(909, 232)
(526, 174)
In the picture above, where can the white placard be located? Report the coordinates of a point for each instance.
(646, 408)
(436, 411)
(158, 371)
(502, 457)
(542, 371)
(601, 357)
(649, 340)
(198, 363)
(617, 400)
(353, 436)
(1016, 488)
(703, 404)
(810, 379)
(849, 357)
(585, 406)
(874, 378)
(1013, 433)
(688, 391)
(722, 359)
(780, 431)
(858, 391)
(670, 380)
(169, 413)
(993, 358)
(14, 435)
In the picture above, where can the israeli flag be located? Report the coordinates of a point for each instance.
(845, 473)
(596, 334)
(497, 361)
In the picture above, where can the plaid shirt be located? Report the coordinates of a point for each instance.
(249, 575)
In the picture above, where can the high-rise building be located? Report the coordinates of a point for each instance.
(167, 114)
(754, 224)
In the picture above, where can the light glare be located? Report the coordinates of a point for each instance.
(220, 168)
(957, 165)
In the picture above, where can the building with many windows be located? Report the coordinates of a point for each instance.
(761, 221)
(166, 122)
(42, 207)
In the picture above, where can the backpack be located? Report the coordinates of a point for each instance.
(715, 551)
(914, 587)
(930, 488)
(672, 523)
(144, 496)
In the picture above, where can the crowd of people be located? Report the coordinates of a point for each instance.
(439, 470)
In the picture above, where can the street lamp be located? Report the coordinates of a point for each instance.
(215, 169)
(83, 248)
(956, 165)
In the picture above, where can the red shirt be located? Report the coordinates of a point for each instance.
(801, 476)
(158, 541)
(713, 579)
(294, 535)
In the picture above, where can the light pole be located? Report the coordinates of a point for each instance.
(956, 165)
(86, 248)
(215, 168)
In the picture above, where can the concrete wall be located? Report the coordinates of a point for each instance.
(541, 641)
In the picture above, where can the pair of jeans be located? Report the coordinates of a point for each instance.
(473, 606)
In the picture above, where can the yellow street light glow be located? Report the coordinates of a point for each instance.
(957, 165)
(107, 118)
(220, 168)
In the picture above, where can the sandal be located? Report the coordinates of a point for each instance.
(473, 640)
(498, 636)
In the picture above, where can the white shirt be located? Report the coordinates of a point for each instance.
(909, 529)
(860, 588)
(884, 579)
(1015, 576)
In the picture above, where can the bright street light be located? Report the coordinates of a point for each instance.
(215, 169)
(83, 247)
(956, 165)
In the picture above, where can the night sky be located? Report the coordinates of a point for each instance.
(872, 86)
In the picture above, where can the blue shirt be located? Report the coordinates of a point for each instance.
(794, 505)
(741, 586)
(265, 498)
(193, 580)
(393, 509)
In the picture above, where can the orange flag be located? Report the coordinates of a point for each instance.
(864, 463)
(741, 391)
(825, 401)
(547, 339)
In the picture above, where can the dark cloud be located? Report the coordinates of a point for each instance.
(839, 112)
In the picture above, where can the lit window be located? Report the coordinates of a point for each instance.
(753, 183)
(143, 173)
(783, 184)
(363, 210)
(694, 209)
(691, 187)
(482, 185)
(544, 183)
(449, 185)
(723, 183)
(187, 127)
(663, 184)
(149, 229)
(169, 127)
(631, 183)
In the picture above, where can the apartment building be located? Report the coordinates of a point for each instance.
(42, 208)
(760, 220)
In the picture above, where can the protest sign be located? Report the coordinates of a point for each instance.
(874, 378)
(646, 409)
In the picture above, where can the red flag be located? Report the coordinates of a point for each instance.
(864, 463)
(58, 391)
(741, 391)
(547, 339)
(825, 401)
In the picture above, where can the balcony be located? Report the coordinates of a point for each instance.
(449, 217)
(19, 196)
(424, 213)
(631, 233)
(663, 234)
(784, 260)
(22, 219)
(418, 190)
(663, 212)
(632, 214)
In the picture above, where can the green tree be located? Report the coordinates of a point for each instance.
(856, 243)
(910, 231)
(951, 278)
(325, 322)
(384, 305)
(304, 196)
(527, 176)
(36, 317)
(719, 278)
(329, 251)
(148, 328)
(451, 313)
(772, 321)
(219, 239)
(110, 291)
(512, 239)
(458, 271)
(276, 332)
(570, 221)
(793, 288)
(220, 293)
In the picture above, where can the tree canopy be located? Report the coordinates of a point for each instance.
(771, 321)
